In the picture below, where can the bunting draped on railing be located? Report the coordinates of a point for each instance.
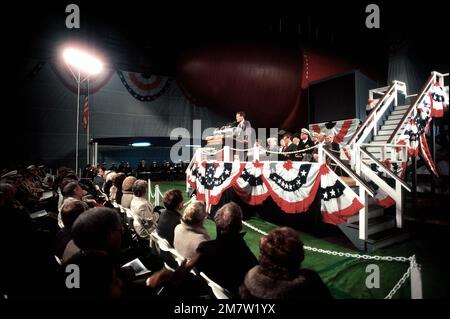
(338, 201)
(342, 131)
(414, 133)
(293, 186)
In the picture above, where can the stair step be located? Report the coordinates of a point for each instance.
(392, 122)
(381, 138)
(395, 117)
(397, 112)
(376, 224)
(374, 211)
(374, 149)
(390, 127)
(386, 238)
(384, 132)
(401, 107)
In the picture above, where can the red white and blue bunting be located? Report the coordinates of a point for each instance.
(144, 87)
(338, 201)
(250, 185)
(293, 186)
(414, 133)
(213, 178)
(341, 130)
(438, 100)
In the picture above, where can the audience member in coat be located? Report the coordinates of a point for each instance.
(170, 216)
(279, 275)
(127, 191)
(191, 232)
(227, 259)
(69, 213)
(144, 219)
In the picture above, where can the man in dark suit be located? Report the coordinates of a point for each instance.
(243, 134)
(243, 129)
(289, 146)
(227, 259)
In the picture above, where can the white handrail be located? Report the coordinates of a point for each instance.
(420, 96)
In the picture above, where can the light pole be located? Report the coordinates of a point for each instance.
(86, 65)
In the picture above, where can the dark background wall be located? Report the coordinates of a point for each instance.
(154, 38)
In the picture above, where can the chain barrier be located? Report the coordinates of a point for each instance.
(398, 285)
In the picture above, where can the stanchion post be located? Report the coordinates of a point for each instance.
(416, 280)
(226, 153)
(149, 190)
(256, 153)
(156, 195)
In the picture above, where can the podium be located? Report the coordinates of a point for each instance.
(218, 142)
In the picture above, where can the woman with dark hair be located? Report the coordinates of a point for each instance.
(170, 216)
(115, 192)
(279, 275)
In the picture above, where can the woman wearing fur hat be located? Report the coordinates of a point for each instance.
(279, 275)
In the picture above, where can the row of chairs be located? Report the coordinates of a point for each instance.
(172, 259)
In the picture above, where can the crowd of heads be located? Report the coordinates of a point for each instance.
(93, 236)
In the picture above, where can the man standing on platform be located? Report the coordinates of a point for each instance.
(305, 143)
(243, 134)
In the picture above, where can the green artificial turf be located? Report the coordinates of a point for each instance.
(345, 276)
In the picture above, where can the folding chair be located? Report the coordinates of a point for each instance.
(165, 250)
(218, 291)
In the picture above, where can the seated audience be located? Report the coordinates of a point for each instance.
(278, 275)
(227, 259)
(191, 232)
(144, 219)
(99, 177)
(115, 192)
(127, 193)
(69, 214)
(170, 216)
(99, 277)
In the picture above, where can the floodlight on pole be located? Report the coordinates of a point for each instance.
(80, 63)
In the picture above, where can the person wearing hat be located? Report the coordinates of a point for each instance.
(279, 274)
(316, 140)
(305, 143)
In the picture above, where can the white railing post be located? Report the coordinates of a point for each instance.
(256, 153)
(149, 190)
(156, 195)
(320, 156)
(226, 153)
(398, 205)
(198, 156)
(416, 279)
(357, 156)
(395, 94)
(375, 121)
(363, 214)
